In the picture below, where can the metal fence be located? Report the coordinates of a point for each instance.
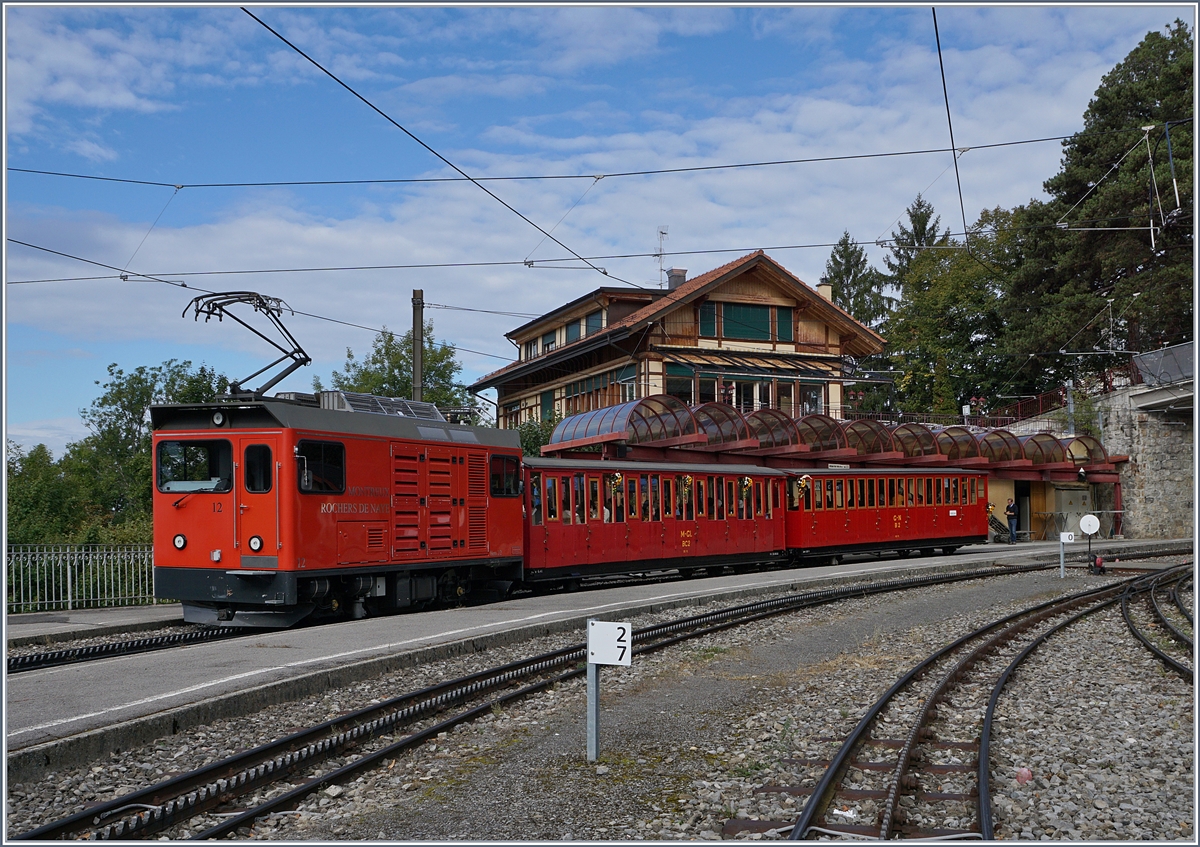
(45, 577)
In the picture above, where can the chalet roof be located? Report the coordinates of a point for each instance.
(869, 341)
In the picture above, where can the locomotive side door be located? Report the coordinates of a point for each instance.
(256, 507)
(441, 492)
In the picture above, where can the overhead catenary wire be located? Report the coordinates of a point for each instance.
(156, 278)
(544, 263)
(456, 168)
(613, 175)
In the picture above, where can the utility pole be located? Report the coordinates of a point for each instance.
(418, 337)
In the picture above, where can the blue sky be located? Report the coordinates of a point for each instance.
(206, 95)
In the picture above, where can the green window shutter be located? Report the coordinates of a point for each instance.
(783, 318)
(572, 331)
(678, 370)
(547, 405)
(708, 320)
(592, 323)
(751, 323)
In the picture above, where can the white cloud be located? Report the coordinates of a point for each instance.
(55, 433)
(91, 150)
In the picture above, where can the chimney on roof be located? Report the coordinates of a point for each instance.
(825, 288)
(676, 277)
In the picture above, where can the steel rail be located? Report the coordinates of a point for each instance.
(165, 804)
(1171, 662)
(1179, 604)
(986, 823)
(92, 652)
(1168, 624)
(822, 793)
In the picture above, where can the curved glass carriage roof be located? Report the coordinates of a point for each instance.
(773, 428)
(868, 436)
(914, 439)
(1042, 448)
(721, 423)
(999, 445)
(955, 442)
(821, 432)
(642, 421)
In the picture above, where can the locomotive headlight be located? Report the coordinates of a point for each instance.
(180, 541)
(256, 543)
(218, 418)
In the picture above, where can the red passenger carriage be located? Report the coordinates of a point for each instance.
(587, 517)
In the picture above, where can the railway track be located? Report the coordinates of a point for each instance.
(278, 775)
(92, 652)
(916, 764)
(1164, 623)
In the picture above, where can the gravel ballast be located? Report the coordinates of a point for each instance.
(689, 733)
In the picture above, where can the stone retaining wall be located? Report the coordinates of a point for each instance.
(1157, 483)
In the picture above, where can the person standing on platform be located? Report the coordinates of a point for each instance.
(1010, 512)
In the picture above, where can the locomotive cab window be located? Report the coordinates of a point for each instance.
(321, 466)
(258, 469)
(195, 466)
(505, 476)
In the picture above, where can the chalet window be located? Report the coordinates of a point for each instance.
(708, 320)
(531, 349)
(742, 321)
(572, 331)
(548, 342)
(783, 322)
(592, 322)
(679, 382)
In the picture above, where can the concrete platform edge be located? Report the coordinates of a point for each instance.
(115, 629)
(32, 762)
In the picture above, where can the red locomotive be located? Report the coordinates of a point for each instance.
(267, 511)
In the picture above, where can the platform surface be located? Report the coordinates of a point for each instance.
(56, 703)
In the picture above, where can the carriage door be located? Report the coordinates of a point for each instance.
(256, 512)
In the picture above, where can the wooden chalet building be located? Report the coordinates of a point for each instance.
(749, 333)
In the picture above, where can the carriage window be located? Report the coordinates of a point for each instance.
(551, 498)
(579, 498)
(871, 493)
(829, 494)
(928, 492)
(774, 495)
(632, 500)
(594, 501)
(973, 500)
(667, 500)
(195, 466)
(862, 493)
(891, 491)
(910, 491)
(838, 501)
(793, 493)
(535, 495)
(849, 494)
(711, 498)
(743, 500)
(655, 514)
(946, 490)
(322, 466)
(758, 499)
(937, 492)
(257, 476)
(720, 488)
(954, 489)
(645, 501)
(881, 494)
(700, 499)
(566, 499)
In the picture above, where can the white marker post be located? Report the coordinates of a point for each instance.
(1064, 538)
(1089, 525)
(607, 644)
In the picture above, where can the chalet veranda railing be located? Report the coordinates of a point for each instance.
(51, 577)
